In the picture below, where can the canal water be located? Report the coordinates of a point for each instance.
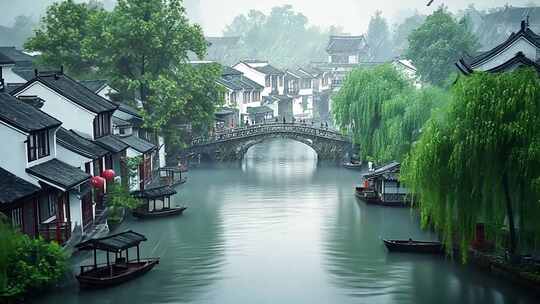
(278, 228)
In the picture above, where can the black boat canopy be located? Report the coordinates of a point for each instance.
(155, 193)
(113, 243)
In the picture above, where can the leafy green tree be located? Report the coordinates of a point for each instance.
(27, 265)
(378, 38)
(358, 106)
(402, 32)
(480, 161)
(143, 39)
(437, 44)
(61, 35)
(283, 37)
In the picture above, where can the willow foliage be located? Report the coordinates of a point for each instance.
(358, 105)
(384, 112)
(480, 162)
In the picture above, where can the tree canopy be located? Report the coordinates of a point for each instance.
(437, 44)
(479, 162)
(142, 47)
(61, 35)
(378, 38)
(283, 37)
(383, 111)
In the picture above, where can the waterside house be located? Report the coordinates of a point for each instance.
(344, 54)
(520, 49)
(382, 186)
(41, 194)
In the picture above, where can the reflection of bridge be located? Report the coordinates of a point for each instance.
(234, 143)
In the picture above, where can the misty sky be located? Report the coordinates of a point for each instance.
(353, 15)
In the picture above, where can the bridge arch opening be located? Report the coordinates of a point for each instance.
(281, 149)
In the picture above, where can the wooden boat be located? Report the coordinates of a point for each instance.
(144, 213)
(367, 195)
(353, 165)
(150, 197)
(106, 276)
(414, 246)
(122, 269)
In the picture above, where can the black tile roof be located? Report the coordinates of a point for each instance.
(23, 116)
(113, 243)
(250, 83)
(230, 84)
(344, 44)
(78, 144)
(226, 70)
(519, 60)
(21, 59)
(73, 90)
(137, 143)
(259, 110)
(524, 32)
(120, 122)
(13, 188)
(25, 73)
(390, 168)
(129, 110)
(269, 70)
(112, 143)
(59, 174)
(94, 85)
(5, 60)
(155, 191)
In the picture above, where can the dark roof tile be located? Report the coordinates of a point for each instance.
(73, 90)
(137, 143)
(94, 85)
(343, 44)
(78, 144)
(13, 188)
(112, 143)
(59, 174)
(23, 116)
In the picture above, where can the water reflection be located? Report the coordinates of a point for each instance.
(280, 228)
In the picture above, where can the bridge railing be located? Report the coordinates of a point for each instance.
(269, 128)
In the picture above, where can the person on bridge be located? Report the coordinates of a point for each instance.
(284, 119)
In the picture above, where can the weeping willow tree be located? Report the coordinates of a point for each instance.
(480, 162)
(384, 112)
(358, 106)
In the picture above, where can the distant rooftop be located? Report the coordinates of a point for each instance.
(342, 44)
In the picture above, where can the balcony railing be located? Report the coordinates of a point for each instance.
(56, 231)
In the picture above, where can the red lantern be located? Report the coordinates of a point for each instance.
(108, 175)
(97, 182)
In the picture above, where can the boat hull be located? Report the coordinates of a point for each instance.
(157, 214)
(353, 166)
(414, 246)
(96, 278)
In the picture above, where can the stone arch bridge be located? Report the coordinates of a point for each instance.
(233, 144)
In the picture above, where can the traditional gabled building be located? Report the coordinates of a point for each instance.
(49, 201)
(242, 94)
(520, 49)
(100, 87)
(322, 90)
(21, 68)
(344, 54)
(6, 70)
(271, 78)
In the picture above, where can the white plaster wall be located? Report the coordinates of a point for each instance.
(297, 106)
(71, 158)
(353, 59)
(161, 147)
(130, 153)
(520, 45)
(10, 77)
(75, 210)
(71, 115)
(13, 153)
(105, 91)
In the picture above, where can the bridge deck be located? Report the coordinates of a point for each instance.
(269, 128)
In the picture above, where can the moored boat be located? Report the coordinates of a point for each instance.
(151, 197)
(144, 213)
(122, 269)
(353, 165)
(414, 246)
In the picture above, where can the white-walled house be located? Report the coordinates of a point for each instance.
(407, 69)
(271, 78)
(100, 87)
(520, 49)
(42, 194)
